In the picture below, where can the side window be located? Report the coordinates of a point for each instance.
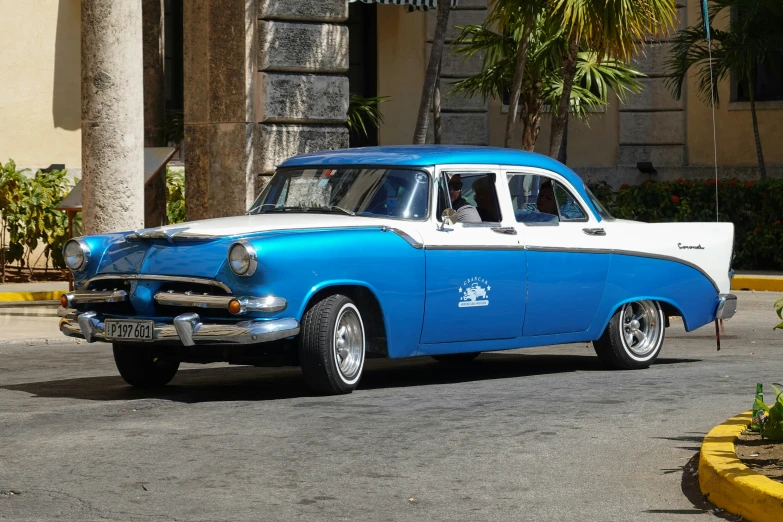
(569, 209)
(539, 199)
(479, 190)
(443, 197)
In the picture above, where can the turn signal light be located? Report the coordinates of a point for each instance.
(63, 301)
(234, 306)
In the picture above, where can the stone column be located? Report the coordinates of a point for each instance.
(154, 106)
(301, 92)
(464, 120)
(220, 45)
(112, 116)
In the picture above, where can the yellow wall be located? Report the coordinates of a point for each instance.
(736, 145)
(594, 145)
(401, 69)
(40, 94)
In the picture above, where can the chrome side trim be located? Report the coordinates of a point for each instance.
(243, 332)
(575, 250)
(626, 253)
(152, 277)
(194, 300)
(262, 304)
(108, 296)
(670, 258)
(727, 306)
(475, 247)
(407, 237)
(247, 303)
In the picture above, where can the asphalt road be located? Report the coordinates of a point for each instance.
(538, 434)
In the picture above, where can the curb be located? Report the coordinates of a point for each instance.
(6, 297)
(757, 283)
(729, 484)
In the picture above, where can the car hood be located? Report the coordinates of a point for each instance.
(259, 223)
(199, 248)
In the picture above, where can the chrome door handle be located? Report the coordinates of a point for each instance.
(594, 231)
(511, 231)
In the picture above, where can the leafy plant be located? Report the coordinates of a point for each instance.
(779, 311)
(29, 215)
(175, 196)
(771, 426)
(364, 113)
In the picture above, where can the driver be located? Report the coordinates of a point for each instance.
(466, 213)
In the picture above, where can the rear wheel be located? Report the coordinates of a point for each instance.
(332, 345)
(138, 367)
(456, 358)
(633, 337)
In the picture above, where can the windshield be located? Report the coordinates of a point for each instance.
(397, 193)
(605, 214)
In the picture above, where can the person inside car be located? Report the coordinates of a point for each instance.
(546, 204)
(466, 213)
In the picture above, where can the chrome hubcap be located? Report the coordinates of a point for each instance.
(642, 327)
(349, 344)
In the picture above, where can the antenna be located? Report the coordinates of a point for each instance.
(706, 20)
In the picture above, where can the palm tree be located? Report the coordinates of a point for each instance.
(755, 33)
(431, 76)
(542, 82)
(611, 28)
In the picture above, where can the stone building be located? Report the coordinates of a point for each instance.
(261, 80)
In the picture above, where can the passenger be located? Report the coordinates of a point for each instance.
(546, 204)
(485, 203)
(546, 199)
(466, 213)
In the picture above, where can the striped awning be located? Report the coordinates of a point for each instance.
(418, 4)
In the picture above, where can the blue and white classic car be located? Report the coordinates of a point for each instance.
(438, 251)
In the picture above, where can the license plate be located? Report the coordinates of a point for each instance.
(121, 330)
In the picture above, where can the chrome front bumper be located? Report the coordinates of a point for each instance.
(727, 306)
(187, 330)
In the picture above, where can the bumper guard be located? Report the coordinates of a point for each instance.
(727, 306)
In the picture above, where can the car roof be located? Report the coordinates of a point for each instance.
(428, 155)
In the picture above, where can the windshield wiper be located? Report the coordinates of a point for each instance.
(307, 209)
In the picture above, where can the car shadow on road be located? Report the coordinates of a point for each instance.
(245, 383)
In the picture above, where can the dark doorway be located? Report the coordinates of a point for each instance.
(363, 62)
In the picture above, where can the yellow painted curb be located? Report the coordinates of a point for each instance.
(6, 297)
(759, 283)
(731, 485)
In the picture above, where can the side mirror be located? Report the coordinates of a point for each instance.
(449, 217)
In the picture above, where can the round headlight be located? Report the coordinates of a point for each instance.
(76, 253)
(242, 258)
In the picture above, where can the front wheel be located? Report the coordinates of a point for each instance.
(139, 368)
(633, 337)
(332, 345)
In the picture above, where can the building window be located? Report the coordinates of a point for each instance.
(767, 82)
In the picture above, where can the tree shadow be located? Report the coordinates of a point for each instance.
(66, 94)
(690, 488)
(246, 383)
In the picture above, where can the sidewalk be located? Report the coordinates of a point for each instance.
(20, 293)
(758, 281)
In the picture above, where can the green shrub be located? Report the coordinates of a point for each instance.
(755, 208)
(29, 215)
(175, 196)
(771, 425)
